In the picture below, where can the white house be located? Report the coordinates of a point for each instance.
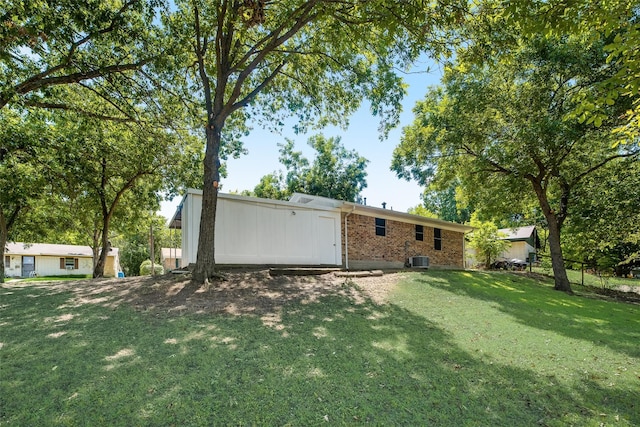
(171, 258)
(44, 259)
(251, 230)
(318, 231)
(524, 241)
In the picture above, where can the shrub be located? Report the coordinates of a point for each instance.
(145, 268)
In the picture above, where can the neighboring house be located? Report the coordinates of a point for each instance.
(43, 259)
(317, 231)
(171, 258)
(524, 241)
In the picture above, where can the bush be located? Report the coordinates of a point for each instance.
(145, 268)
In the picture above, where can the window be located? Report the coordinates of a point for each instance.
(437, 239)
(69, 263)
(381, 227)
(419, 232)
(7, 261)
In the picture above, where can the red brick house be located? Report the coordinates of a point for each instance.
(313, 231)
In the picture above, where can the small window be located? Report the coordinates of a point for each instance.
(437, 239)
(419, 232)
(381, 227)
(69, 263)
(7, 261)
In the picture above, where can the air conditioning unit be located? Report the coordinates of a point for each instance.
(419, 261)
(69, 267)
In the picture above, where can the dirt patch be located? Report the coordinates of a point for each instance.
(243, 292)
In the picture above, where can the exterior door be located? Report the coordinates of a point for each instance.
(28, 265)
(327, 240)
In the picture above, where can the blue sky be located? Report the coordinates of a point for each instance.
(362, 135)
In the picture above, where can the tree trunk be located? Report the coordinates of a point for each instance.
(206, 263)
(557, 260)
(554, 221)
(105, 248)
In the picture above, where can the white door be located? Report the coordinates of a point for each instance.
(327, 240)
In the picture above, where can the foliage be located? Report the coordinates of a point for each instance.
(92, 47)
(23, 140)
(605, 230)
(500, 127)
(454, 348)
(446, 204)
(422, 211)
(488, 242)
(335, 172)
(145, 268)
(314, 60)
(617, 24)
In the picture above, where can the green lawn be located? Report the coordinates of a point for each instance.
(576, 277)
(451, 348)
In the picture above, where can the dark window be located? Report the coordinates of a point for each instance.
(381, 227)
(419, 232)
(7, 261)
(437, 239)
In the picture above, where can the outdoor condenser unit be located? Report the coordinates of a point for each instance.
(419, 261)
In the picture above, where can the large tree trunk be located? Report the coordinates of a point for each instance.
(557, 260)
(554, 220)
(206, 264)
(105, 248)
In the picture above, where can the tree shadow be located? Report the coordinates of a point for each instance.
(607, 323)
(333, 359)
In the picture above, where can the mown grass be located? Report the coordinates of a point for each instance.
(54, 278)
(603, 281)
(451, 348)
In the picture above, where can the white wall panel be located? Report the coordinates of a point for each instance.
(259, 231)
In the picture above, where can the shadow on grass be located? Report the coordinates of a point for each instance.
(612, 324)
(329, 361)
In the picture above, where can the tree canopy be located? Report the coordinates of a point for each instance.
(501, 128)
(335, 172)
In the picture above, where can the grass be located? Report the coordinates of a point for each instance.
(575, 277)
(54, 278)
(451, 348)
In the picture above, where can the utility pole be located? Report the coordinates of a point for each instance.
(151, 244)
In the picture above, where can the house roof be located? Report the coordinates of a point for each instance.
(20, 248)
(521, 233)
(171, 253)
(324, 203)
(350, 207)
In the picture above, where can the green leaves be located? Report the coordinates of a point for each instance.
(335, 172)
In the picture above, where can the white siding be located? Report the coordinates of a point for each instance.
(250, 231)
(519, 250)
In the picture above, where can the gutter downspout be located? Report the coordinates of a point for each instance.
(346, 238)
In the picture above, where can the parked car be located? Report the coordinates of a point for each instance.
(509, 264)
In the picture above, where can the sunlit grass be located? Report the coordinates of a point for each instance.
(451, 348)
(597, 281)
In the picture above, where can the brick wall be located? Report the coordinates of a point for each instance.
(367, 250)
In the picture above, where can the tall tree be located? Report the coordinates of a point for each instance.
(103, 168)
(22, 140)
(334, 172)
(314, 59)
(502, 128)
(56, 54)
